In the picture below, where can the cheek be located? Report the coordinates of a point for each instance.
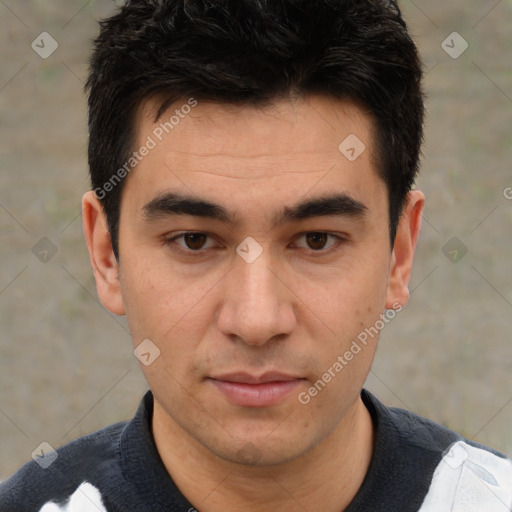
(353, 298)
(169, 309)
(350, 306)
(153, 301)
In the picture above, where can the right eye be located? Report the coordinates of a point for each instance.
(193, 242)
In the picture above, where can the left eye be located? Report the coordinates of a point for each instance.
(195, 242)
(317, 240)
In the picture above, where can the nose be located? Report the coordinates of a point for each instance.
(257, 303)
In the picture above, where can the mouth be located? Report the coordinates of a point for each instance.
(246, 390)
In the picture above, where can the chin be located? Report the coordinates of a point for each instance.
(261, 453)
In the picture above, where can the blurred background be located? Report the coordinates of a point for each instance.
(66, 364)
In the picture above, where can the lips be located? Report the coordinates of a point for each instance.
(247, 378)
(246, 390)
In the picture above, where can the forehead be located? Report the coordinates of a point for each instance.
(280, 151)
(287, 128)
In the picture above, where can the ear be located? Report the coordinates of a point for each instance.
(101, 254)
(403, 250)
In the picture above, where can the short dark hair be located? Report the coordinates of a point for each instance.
(254, 52)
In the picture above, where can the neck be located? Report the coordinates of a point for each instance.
(325, 478)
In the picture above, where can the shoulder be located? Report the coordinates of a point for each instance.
(470, 477)
(456, 473)
(55, 476)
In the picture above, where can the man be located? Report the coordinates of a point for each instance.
(252, 215)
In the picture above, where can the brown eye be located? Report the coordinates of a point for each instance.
(190, 242)
(195, 241)
(316, 241)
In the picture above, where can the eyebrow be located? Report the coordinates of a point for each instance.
(173, 203)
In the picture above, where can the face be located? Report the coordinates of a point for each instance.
(253, 298)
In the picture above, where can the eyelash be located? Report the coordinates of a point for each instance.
(169, 241)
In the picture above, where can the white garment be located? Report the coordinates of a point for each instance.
(85, 499)
(470, 479)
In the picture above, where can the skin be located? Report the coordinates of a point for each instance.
(292, 310)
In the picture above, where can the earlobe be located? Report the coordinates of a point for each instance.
(101, 254)
(403, 250)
